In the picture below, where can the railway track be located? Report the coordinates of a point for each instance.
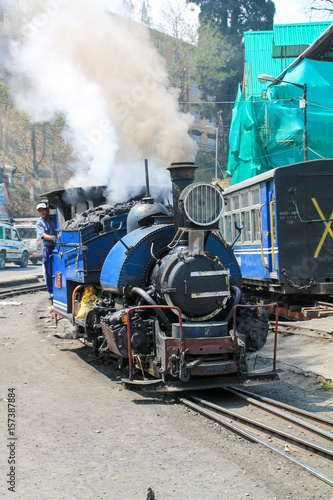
(302, 449)
(316, 449)
(14, 290)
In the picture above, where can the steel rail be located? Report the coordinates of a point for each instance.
(279, 432)
(305, 413)
(284, 414)
(252, 437)
(21, 289)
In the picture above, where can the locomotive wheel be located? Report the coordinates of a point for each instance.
(255, 330)
(92, 332)
(95, 345)
(120, 362)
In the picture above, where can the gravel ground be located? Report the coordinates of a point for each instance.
(80, 435)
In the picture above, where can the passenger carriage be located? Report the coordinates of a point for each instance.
(286, 215)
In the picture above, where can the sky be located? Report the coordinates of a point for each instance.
(296, 11)
(287, 11)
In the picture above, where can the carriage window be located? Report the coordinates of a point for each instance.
(255, 224)
(227, 228)
(235, 218)
(247, 226)
(243, 207)
(245, 200)
(255, 197)
(235, 203)
(1, 232)
(8, 235)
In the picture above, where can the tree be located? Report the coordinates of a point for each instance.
(34, 143)
(146, 13)
(5, 107)
(213, 58)
(181, 68)
(178, 47)
(233, 17)
(38, 152)
(220, 68)
(219, 65)
(128, 8)
(176, 21)
(199, 58)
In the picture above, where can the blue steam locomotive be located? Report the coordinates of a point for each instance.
(166, 287)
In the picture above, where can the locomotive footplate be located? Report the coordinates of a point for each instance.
(157, 385)
(271, 375)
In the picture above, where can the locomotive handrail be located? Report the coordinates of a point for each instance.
(261, 243)
(114, 230)
(73, 299)
(152, 254)
(272, 233)
(77, 247)
(239, 229)
(130, 364)
(118, 228)
(178, 236)
(275, 305)
(74, 245)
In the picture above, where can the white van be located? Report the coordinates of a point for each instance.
(28, 234)
(12, 248)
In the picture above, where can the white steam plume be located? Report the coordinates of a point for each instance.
(102, 73)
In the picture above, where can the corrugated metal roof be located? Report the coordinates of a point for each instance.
(298, 33)
(320, 50)
(258, 57)
(271, 52)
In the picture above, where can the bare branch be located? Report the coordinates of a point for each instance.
(323, 6)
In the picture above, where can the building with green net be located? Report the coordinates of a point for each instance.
(290, 117)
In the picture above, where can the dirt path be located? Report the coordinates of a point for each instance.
(80, 435)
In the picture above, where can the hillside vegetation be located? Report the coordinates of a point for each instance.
(38, 153)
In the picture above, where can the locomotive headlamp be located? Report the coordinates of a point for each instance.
(203, 203)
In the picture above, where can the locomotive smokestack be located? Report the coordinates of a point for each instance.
(182, 174)
(147, 179)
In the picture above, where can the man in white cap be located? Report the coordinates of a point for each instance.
(47, 231)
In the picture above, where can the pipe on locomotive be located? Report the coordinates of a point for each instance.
(163, 318)
(182, 175)
(236, 301)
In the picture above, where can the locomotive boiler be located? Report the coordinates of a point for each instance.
(167, 287)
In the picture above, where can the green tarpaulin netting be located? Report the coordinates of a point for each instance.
(268, 132)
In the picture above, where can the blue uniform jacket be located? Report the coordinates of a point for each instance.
(47, 227)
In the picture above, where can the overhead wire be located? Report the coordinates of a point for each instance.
(266, 101)
(268, 155)
(233, 102)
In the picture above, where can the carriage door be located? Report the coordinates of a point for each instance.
(273, 249)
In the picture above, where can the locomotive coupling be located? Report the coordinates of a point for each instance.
(179, 367)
